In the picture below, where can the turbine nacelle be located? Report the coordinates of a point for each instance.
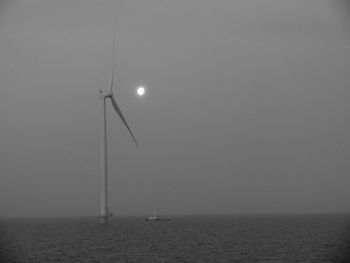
(105, 95)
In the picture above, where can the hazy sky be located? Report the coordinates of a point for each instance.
(247, 106)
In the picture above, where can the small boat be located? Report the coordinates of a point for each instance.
(157, 218)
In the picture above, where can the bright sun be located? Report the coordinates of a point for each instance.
(141, 90)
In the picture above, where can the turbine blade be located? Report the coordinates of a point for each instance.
(120, 114)
(113, 66)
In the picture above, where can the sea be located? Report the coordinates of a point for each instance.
(219, 238)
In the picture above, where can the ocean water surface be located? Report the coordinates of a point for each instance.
(274, 238)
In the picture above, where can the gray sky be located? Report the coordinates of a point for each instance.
(247, 106)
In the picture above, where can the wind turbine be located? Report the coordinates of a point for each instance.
(104, 214)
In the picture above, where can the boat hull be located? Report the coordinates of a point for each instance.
(157, 219)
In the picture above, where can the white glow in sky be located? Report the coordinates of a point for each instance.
(141, 91)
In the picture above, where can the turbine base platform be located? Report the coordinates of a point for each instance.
(103, 220)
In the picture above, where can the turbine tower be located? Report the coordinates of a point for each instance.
(104, 214)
